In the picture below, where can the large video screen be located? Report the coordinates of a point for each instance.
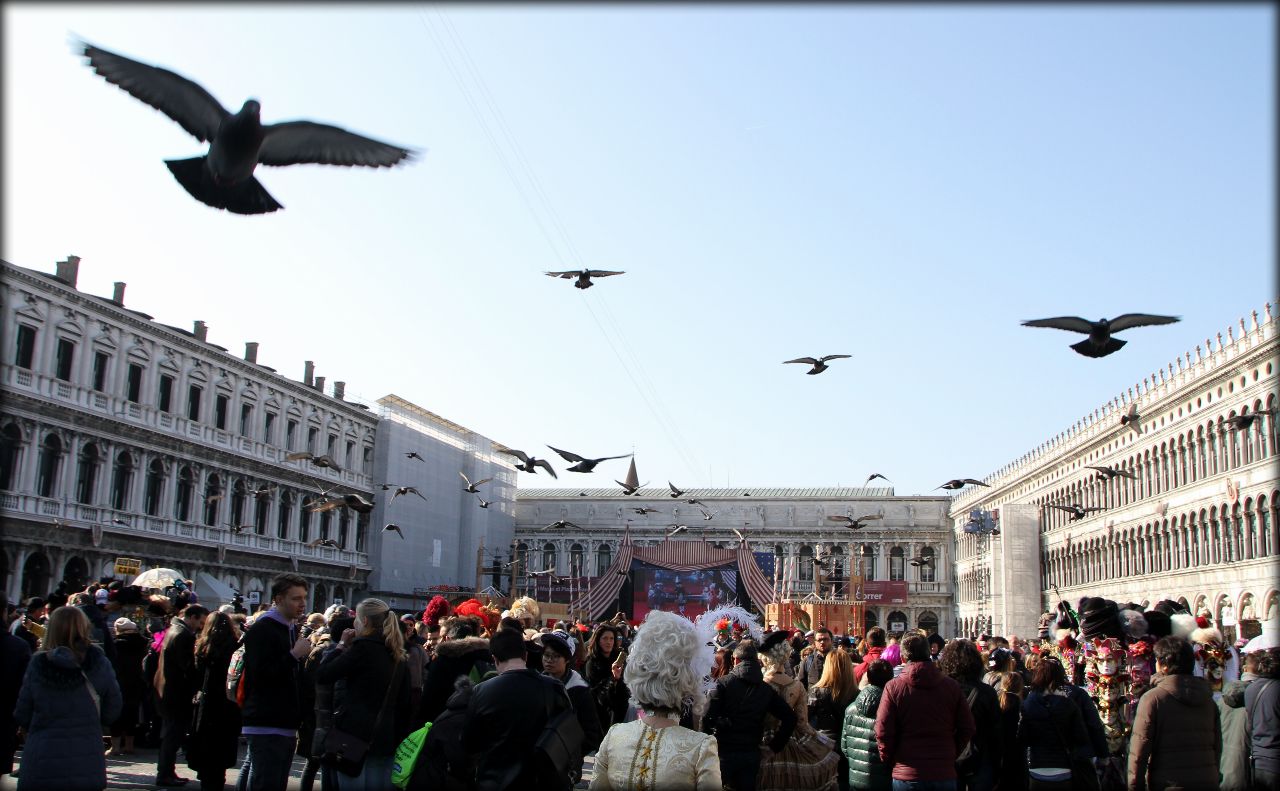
(687, 593)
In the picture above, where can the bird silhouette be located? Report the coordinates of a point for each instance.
(1077, 511)
(627, 489)
(1243, 422)
(875, 475)
(353, 501)
(529, 463)
(674, 491)
(738, 533)
(406, 490)
(1100, 343)
(1132, 419)
(413, 454)
(396, 528)
(921, 560)
(238, 529)
(695, 501)
(118, 521)
(855, 524)
(470, 487)
(319, 461)
(484, 503)
(583, 276)
(238, 142)
(584, 464)
(323, 542)
(819, 364)
(708, 515)
(644, 511)
(264, 492)
(559, 523)
(960, 483)
(1110, 472)
(541, 572)
(677, 529)
(386, 486)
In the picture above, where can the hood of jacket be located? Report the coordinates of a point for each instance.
(461, 696)
(868, 701)
(573, 679)
(1187, 689)
(922, 675)
(59, 668)
(457, 649)
(748, 671)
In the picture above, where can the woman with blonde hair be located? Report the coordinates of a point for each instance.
(654, 751)
(809, 759)
(370, 659)
(68, 693)
(830, 697)
(1013, 769)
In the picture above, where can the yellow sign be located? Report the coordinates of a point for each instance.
(128, 567)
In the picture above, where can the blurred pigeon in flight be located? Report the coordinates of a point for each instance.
(529, 463)
(238, 142)
(396, 528)
(584, 464)
(875, 475)
(1110, 472)
(1243, 422)
(470, 487)
(819, 364)
(1100, 343)
(957, 483)
(583, 277)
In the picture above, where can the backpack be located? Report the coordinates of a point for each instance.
(235, 677)
(406, 759)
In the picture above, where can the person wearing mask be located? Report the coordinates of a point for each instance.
(876, 643)
(1262, 706)
(736, 716)
(68, 694)
(978, 764)
(807, 760)
(1177, 738)
(1051, 732)
(175, 686)
(858, 736)
(829, 698)
(923, 723)
(30, 625)
(655, 751)
(505, 717)
(557, 658)
(131, 649)
(215, 734)
(15, 655)
(273, 648)
(936, 644)
(608, 690)
(370, 661)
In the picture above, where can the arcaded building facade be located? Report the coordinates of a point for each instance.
(1195, 519)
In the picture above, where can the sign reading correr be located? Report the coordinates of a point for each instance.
(882, 592)
(128, 567)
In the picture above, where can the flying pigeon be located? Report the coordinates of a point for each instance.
(396, 528)
(676, 529)
(1110, 472)
(1100, 343)
(471, 487)
(1132, 419)
(708, 516)
(695, 501)
(632, 484)
(238, 529)
(559, 523)
(323, 542)
(738, 533)
(645, 510)
(541, 572)
(484, 503)
(406, 490)
(1243, 422)
(875, 475)
(264, 492)
(957, 483)
(584, 464)
(529, 463)
(1076, 511)
(583, 277)
(353, 501)
(319, 461)
(922, 560)
(854, 524)
(674, 491)
(238, 142)
(413, 454)
(819, 364)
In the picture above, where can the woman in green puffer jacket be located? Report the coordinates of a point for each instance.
(858, 737)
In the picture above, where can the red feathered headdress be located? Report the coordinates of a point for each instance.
(489, 617)
(437, 608)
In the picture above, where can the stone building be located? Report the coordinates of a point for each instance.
(124, 437)
(1192, 517)
(786, 529)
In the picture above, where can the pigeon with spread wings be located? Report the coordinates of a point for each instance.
(584, 464)
(819, 363)
(583, 276)
(529, 463)
(406, 490)
(560, 523)
(1110, 472)
(855, 524)
(319, 461)
(470, 487)
(238, 142)
(960, 483)
(1076, 511)
(323, 542)
(353, 501)
(396, 528)
(875, 475)
(1100, 343)
(1243, 422)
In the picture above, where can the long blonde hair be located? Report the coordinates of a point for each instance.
(376, 619)
(68, 627)
(837, 676)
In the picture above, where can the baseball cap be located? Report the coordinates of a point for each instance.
(100, 596)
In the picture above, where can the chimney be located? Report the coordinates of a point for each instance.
(320, 383)
(251, 351)
(339, 390)
(117, 294)
(200, 331)
(68, 271)
(308, 371)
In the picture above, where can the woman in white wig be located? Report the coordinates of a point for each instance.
(808, 761)
(654, 752)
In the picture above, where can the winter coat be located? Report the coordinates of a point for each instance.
(131, 649)
(505, 717)
(453, 658)
(1262, 704)
(215, 730)
(1092, 720)
(270, 675)
(63, 751)
(826, 715)
(858, 742)
(811, 669)
(1177, 739)
(1013, 761)
(736, 712)
(1048, 722)
(15, 655)
(99, 632)
(178, 665)
(860, 669)
(365, 670)
(610, 694)
(1234, 766)
(922, 724)
(322, 716)
(443, 763)
(986, 748)
(580, 697)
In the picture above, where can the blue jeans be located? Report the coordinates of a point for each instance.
(924, 785)
(267, 763)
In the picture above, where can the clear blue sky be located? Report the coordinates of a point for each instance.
(904, 184)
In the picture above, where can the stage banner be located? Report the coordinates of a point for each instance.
(687, 593)
(561, 590)
(766, 561)
(882, 592)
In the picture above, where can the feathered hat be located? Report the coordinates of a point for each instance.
(1205, 632)
(473, 607)
(1182, 624)
(525, 607)
(437, 609)
(1133, 624)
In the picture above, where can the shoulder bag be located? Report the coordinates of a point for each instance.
(345, 751)
(559, 746)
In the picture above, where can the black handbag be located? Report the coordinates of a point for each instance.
(346, 751)
(559, 746)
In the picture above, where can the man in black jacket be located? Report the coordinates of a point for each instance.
(736, 715)
(505, 717)
(273, 647)
(177, 685)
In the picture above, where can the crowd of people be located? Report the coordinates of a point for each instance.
(468, 696)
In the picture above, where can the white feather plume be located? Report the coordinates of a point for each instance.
(705, 625)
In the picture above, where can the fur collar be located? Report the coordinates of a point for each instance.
(456, 649)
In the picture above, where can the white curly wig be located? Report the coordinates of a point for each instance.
(778, 657)
(661, 671)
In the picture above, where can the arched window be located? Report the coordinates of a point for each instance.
(868, 562)
(50, 462)
(344, 526)
(285, 515)
(896, 623)
(304, 519)
(238, 494)
(10, 447)
(928, 621)
(897, 566)
(186, 490)
(806, 563)
(577, 560)
(1237, 532)
(122, 482)
(262, 512)
(1213, 450)
(1265, 546)
(869, 620)
(362, 532)
(522, 558)
(927, 571)
(155, 487)
(604, 557)
(212, 497)
(1250, 531)
(87, 474)
(326, 517)
(548, 556)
